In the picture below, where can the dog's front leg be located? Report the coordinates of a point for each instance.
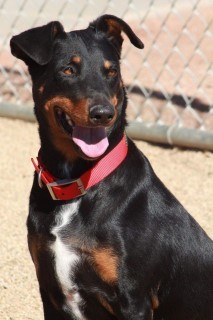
(50, 311)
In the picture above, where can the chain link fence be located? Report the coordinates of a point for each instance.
(170, 82)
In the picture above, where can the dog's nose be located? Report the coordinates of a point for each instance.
(101, 115)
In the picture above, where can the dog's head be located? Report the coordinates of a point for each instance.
(77, 87)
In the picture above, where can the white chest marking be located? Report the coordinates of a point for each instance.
(66, 260)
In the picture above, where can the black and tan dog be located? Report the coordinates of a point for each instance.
(107, 238)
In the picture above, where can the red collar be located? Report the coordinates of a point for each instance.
(68, 189)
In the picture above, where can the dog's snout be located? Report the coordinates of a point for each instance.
(101, 114)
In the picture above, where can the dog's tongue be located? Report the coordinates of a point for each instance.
(92, 141)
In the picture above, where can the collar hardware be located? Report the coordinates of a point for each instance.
(60, 183)
(67, 189)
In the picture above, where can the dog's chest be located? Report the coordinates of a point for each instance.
(66, 260)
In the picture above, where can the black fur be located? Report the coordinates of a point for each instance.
(163, 260)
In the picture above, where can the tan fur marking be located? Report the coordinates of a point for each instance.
(155, 301)
(107, 64)
(37, 243)
(33, 246)
(76, 59)
(114, 28)
(58, 101)
(154, 298)
(105, 304)
(114, 101)
(106, 264)
(78, 113)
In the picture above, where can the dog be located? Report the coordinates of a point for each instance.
(107, 238)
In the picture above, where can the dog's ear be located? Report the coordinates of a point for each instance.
(112, 26)
(36, 44)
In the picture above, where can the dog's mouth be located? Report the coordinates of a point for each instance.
(93, 142)
(64, 120)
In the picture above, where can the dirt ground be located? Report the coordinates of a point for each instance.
(188, 174)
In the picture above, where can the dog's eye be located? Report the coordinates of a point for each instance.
(112, 72)
(69, 71)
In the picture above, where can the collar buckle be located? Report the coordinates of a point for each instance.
(65, 182)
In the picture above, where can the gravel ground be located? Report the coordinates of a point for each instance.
(188, 174)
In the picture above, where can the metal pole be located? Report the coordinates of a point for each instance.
(16, 111)
(174, 135)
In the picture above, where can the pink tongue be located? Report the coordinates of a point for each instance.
(92, 141)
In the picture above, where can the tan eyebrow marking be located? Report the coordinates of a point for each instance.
(107, 64)
(76, 59)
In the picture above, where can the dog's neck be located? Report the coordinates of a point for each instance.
(69, 186)
(60, 167)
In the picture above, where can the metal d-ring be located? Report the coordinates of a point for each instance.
(40, 183)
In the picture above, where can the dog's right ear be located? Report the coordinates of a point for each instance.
(36, 44)
(112, 27)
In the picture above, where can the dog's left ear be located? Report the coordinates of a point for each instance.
(112, 26)
(35, 45)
